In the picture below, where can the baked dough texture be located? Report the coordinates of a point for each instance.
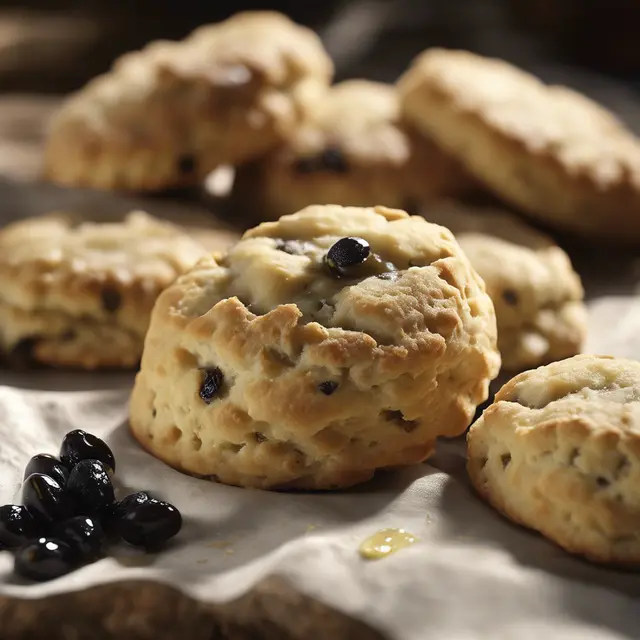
(537, 295)
(167, 115)
(264, 368)
(559, 451)
(80, 294)
(548, 150)
(351, 148)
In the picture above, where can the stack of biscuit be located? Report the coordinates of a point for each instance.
(342, 335)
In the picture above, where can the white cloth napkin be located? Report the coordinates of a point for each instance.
(472, 574)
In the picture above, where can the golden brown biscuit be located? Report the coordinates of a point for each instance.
(550, 151)
(169, 114)
(559, 451)
(351, 148)
(278, 365)
(80, 295)
(537, 295)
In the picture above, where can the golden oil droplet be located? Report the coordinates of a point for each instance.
(385, 542)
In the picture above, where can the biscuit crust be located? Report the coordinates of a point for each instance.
(548, 150)
(324, 379)
(352, 148)
(80, 294)
(537, 295)
(559, 451)
(167, 115)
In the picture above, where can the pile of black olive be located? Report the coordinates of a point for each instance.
(66, 512)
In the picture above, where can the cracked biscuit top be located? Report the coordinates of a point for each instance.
(321, 347)
(559, 451)
(81, 293)
(167, 115)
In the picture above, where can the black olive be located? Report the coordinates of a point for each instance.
(89, 488)
(84, 535)
(45, 498)
(333, 159)
(510, 297)
(132, 501)
(211, 384)
(111, 299)
(79, 445)
(44, 559)
(17, 525)
(327, 387)
(118, 509)
(346, 253)
(49, 465)
(149, 524)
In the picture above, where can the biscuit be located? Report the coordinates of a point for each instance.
(548, 150)
(351, 148)
(322, 347)
(559, 451)
(80, 294)
(167, 115)
(537, 295)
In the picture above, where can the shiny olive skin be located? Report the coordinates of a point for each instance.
(149, 524)
(89, 488)
(49, 466)
(17, 526)
(45, 498)
(44, 559)
(345, 254)
(132, 501)
(84, 535)
(79, 445)
(119, 509)
(66, 513)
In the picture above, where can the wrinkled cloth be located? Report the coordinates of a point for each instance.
(471, 574)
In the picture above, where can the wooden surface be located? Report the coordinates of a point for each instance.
(139, 610)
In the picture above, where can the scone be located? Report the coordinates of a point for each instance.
(548, 150)
(537, 295)
(167, 115)
(321, 347)
(80, 294)
(559, 451)
(351, 148)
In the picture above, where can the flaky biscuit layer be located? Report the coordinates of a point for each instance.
(319, 380)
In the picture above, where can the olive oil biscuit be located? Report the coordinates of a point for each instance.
(351, 148)
(559, 451)
(167, 115)
(80, 294)
(537, 295)
(548, 150)
(321, 347)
